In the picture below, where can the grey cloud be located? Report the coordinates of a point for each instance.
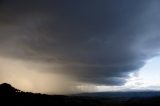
(97, 42)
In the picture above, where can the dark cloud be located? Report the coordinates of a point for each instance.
(93, 41)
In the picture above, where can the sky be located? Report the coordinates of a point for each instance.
(73, 46)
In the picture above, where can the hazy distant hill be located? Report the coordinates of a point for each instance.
(132, 94)
(10, 96)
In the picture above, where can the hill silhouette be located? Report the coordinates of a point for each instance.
(14, 97)
(7, 89)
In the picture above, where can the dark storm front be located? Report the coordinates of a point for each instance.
(73, 47)
(79, 42)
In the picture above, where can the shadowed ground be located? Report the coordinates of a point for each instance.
(14, 97)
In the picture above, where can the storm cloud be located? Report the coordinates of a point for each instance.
(98, 42)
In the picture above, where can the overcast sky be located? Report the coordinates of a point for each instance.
(63, 46)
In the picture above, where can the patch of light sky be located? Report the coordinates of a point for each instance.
(147, 78)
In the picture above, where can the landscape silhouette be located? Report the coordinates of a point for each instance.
(15, 97)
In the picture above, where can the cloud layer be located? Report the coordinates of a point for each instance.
(95, 42)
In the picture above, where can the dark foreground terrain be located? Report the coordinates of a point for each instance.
(14, 97)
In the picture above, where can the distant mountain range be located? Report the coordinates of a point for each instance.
(10, 96)
(122, 94)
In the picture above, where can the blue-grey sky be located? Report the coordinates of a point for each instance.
(61, 46)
